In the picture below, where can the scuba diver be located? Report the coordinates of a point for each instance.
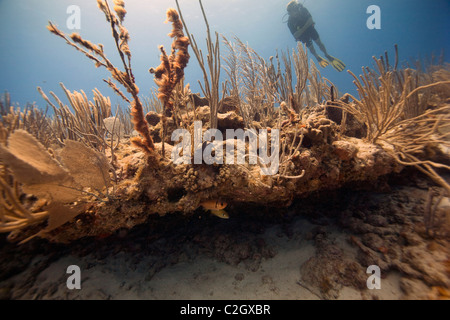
(302, 28)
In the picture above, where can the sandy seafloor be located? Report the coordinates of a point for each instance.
(318, 248)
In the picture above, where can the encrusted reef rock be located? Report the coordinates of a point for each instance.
(329, 270)
(323, 161)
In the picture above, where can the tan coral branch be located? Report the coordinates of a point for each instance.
(13, 215)
(125, 78)
(171, 69)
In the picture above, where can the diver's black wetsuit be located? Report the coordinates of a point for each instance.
(301, 25)
(297, 23)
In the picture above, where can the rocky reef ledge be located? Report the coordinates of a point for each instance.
(326, 158)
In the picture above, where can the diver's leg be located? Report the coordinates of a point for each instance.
(315, 36)
(311, 49)
(322, 47)
(322, 62)
(335, 63)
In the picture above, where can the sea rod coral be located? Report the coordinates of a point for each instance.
(126, 77)
(171, 70)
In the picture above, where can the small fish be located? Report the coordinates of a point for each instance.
(216, 208)
(213, 205)
(220, 213)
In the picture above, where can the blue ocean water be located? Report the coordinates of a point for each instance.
(30, 56)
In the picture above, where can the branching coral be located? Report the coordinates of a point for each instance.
(412, 142)
(250, 83)
(403, 129)
(85, 123)
(171, 70)
(211, 87)
(384, 98)
(259, 85)
(289, 151)
(31, 118)
(125, 78)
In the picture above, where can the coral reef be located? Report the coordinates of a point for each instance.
(118, 186)
(391, 110)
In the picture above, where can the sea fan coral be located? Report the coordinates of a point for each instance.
(59, 182)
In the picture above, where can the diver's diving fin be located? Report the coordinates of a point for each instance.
(322, 62)
(336, 63)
